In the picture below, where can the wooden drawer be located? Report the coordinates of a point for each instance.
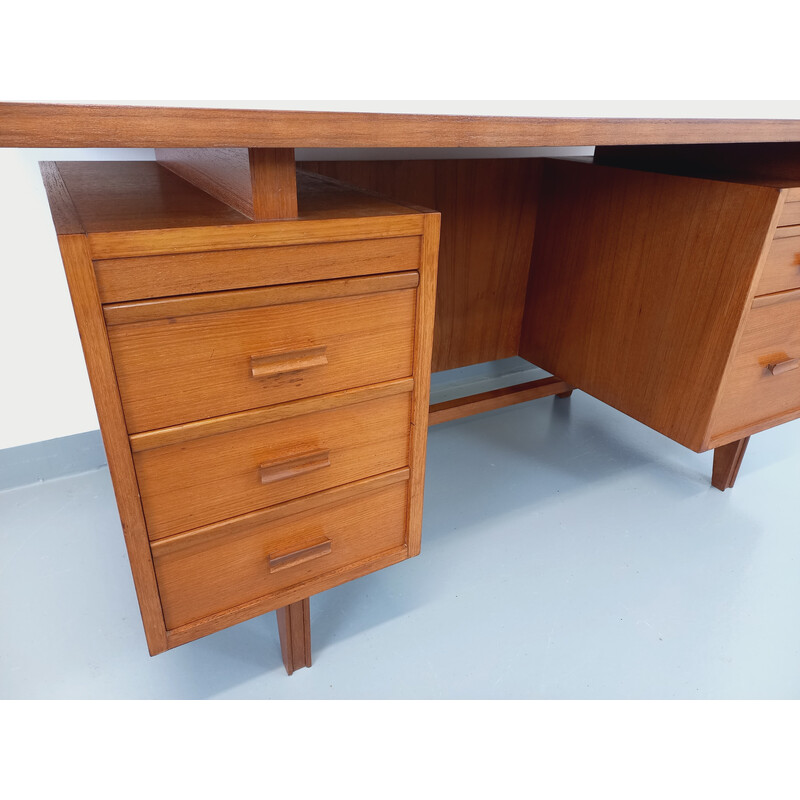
(121, 279)
(224, 566)
(190, 358)
(791, 213)
(782, 270)
(752, 396)
(258, 463)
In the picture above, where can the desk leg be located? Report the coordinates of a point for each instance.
(294, 630)
(727, 460)
(564, 395)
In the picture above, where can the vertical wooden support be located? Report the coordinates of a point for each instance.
(565, 395)
(727, 460)
(274, 182)
(259, 182)
(294, 630)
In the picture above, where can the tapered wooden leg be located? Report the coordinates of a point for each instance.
(727, 460)
(564, 394)
(294, 630)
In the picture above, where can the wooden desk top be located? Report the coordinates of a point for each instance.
(43, 125)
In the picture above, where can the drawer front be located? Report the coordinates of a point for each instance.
(187, 273)
(764, 382)
(782, 270)
(247, 559)
(193, 483)
(790, 214)
(191, 366)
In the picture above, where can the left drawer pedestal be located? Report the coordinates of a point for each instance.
(262, 388)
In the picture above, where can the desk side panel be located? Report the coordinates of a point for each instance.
(638, 286)
(99, 363)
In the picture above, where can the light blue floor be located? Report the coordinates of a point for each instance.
(568, 552)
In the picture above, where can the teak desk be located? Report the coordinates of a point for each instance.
(260, 338)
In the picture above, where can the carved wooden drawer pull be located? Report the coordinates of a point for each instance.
(277, 563)
(784, 366)
(294, 361)
(283, 468)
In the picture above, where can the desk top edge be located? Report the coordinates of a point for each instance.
(55, 125)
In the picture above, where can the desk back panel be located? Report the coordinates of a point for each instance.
(488, 209)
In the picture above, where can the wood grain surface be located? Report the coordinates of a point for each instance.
(225, 572)
(292, 594)
(161, 276)
(126, 244)
(294, 633)
(488, 216)
(244, 523)
(752, 398)
(258, 182)
(420, 400)
(118, 196)
(89, 316)
(639, 282)
(727, 460)
(179, 369)
(782, 268)
(51, 125)
(497, 398)
(187, 485)
(244, 466)
(190, 305)
(201, 429)
(790, 214)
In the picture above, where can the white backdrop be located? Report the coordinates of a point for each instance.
(44, 388)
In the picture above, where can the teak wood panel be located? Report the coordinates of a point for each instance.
(260, 416)
(115, 197)
(488, 215)
(161, 276)
(263, 516)
(206, 577)
(753, 398)
(296, 592)
(639, 282)
(91, 326)
(259, 182)
(410, 446)
(790, 214)
(423, 347)
(56, 125)
(292, 594)
(65, 216)
(160, 308)
(131, 209)
(194, 483)
(782, 268)
(183, 368)
(127, 244)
